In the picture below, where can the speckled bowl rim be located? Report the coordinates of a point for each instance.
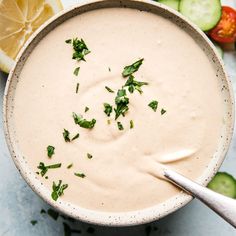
(132, 217)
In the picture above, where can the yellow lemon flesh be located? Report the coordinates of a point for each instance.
(18, 20)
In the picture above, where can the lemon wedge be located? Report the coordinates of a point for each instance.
(18, 20)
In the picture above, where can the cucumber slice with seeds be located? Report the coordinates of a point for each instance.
(204, 13)
(171, 3)
(223, 183)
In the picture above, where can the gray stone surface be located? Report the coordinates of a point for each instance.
(19, 205)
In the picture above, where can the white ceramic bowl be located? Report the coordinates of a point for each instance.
(121, 218)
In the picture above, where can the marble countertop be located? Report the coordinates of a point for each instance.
(19, 205)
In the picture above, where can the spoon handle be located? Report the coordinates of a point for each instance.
(223, 206)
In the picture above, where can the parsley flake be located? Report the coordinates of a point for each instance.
(33, 222)
(44, 169)
(89, 156)
(58, 190)
(109, 89)
(68, 41)
(163, 111)
(122, 102)
(52, 213)
(42, 211)
(66, 135)
(81, 175)
(51, 151)
(120, 126)
(129, 70)
(77, 88)
(133, 84)
(86, 109)
(107, 109)
(75, 137)
(76, 71)
(79, 120)
(80, 49)
(153, 105)
(131, 124)
(69, 166)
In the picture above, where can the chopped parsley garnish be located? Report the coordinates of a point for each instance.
(163, 111)
(75, 137)
(122, 102)
(89, 156)
(66, 135)
(79, 120)
(107, 109)
(131, 124)
(129, 70)
(68, 41)
(80, 49)
(153, 105)
(69, 166)
(121, 99)
(109, 89)
(133, 84)
(81, 175)
(52, 213)
(33, 222)
(44, 169)
(76, 71)
(120, 126)
(86, 109)
(51, 151)
(77, 88)
(58, 190)
(42, 211)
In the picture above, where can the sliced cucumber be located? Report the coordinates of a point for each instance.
(204, 13)
(223, 183)
(219, 49)
(171, 3)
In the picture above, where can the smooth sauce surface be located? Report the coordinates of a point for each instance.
(123, 173)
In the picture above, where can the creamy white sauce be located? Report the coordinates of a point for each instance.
(125, 171)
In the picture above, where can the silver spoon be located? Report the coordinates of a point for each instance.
(223, 206)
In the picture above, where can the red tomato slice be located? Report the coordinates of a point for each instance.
(225, 30)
